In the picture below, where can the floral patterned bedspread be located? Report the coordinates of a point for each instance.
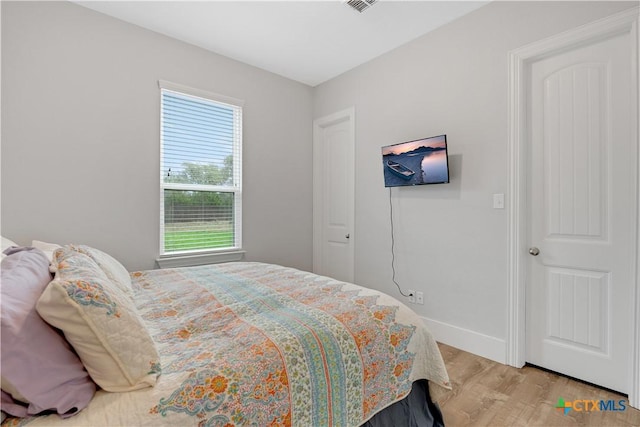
(260, 344)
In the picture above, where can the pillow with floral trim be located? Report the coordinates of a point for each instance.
(109, 265)
(101, 323)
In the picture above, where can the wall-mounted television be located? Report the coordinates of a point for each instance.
(423, 161)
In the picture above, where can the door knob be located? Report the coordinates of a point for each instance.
(347, 236)
(534, 251)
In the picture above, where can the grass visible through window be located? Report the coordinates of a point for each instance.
(189, 236)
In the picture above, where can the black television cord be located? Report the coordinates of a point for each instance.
(393, 254)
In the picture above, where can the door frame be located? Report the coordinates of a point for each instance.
(319, 124)
(520, 61)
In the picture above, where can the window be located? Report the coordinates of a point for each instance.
(200, 166)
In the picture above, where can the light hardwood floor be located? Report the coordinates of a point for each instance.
(486, 393)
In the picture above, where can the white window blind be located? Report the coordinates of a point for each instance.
(201, 170)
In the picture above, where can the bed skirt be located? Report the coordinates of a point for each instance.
(415, 410)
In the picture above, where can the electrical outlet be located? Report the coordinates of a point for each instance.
(419, 298)
(412, 296)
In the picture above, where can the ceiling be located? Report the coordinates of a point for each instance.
(307, 41)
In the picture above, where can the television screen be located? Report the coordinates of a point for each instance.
(423, 161)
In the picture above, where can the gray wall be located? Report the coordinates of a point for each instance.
(80, 135)
(450, 243)
(81, 129)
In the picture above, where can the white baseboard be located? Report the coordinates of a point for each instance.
(473, 342)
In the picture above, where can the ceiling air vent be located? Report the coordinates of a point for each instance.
(360, 5)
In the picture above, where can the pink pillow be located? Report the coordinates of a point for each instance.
(38, 366)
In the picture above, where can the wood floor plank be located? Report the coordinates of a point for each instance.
(487, 393)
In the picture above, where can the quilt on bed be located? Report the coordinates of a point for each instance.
(260, 344)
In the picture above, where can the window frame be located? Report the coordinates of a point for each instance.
(203, 255)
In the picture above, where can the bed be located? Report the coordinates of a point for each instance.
(239, 343)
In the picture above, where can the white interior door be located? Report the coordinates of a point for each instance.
(582, 206)
(334, 177)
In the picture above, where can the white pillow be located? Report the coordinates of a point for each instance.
(6, 243)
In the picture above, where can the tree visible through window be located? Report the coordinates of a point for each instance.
(201, 170)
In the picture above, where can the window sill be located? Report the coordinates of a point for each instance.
(173, 261)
